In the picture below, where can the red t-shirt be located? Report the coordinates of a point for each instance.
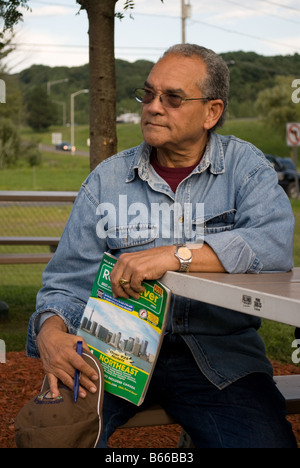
(172, 175)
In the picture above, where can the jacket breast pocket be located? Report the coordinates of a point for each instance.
(219, 223)
(134, 237)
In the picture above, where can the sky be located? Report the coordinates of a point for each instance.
(54, 34)
(115, 320)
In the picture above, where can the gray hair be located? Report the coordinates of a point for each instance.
(217, 83)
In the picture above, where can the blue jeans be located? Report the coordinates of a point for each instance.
(250, 413)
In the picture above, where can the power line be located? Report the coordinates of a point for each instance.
(231, 31)
(81, 49)
(56, 4)
(31, 44)
(222, 28)
(281, 5)
(264, 12)
(81, 46)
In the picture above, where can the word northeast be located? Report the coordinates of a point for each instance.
(138, 221)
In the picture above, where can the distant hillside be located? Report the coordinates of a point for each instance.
(250, 73)
(128, 76)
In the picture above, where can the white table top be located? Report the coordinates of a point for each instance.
(274, 296)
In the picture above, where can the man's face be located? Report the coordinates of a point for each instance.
(176, 129)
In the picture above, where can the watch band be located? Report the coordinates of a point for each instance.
(184, 267)
(185, 258)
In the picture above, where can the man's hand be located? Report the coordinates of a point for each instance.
(152, 264)
(58, 354)
(136, 267)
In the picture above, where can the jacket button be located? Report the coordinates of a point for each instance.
(179, 321)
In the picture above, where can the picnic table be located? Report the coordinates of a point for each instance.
(273, 296)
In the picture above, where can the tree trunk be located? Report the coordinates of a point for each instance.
(103, 133)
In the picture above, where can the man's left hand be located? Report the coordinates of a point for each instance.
(136, 267)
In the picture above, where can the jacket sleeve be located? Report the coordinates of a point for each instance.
(262, 237)
(68, 278)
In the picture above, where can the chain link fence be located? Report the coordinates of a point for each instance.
(34, 219)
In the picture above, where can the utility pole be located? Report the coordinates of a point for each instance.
(186, 12)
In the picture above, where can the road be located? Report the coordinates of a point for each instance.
(51, 149)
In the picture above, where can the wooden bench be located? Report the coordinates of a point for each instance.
(16, 241)
(153, 416)
(25, 259)
(30, 258)
(289, 386)
(51, 241)
(19, 196)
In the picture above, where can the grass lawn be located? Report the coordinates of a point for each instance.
(130, 135)
(260, 135)
(19, 284)
(56, 171)
(59, 171)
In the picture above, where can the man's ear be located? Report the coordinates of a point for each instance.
(214, 113)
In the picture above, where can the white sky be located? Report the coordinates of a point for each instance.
(54, 34)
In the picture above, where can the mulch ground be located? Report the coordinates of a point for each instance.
(21, 379)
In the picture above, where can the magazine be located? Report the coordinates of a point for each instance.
(125, 334)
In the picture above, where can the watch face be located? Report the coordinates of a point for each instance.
(184, 253)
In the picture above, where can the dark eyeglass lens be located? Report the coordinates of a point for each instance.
(147, 97)
(171, 100)
(143, 96)
(168, 100)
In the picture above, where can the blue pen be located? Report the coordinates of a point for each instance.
(77, 373)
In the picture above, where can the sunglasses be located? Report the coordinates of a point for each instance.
(144, 96)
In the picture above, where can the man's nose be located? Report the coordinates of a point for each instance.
(156, 105)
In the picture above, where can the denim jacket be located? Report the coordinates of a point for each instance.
(247, 220)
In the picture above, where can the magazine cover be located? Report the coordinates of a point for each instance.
(125, 334)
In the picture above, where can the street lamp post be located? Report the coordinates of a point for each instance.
(64, 111)
(82, 91)
(50, 83)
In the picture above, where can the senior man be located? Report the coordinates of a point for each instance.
(212, 374)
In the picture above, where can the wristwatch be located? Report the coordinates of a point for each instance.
(185, 256)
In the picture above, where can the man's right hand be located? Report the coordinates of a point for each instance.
(58, 354)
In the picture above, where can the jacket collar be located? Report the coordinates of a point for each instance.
(213, 159)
